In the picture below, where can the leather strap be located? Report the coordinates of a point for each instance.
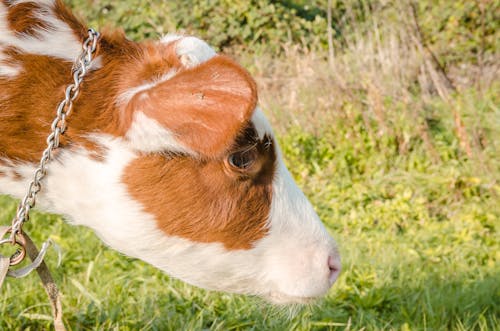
(43, 272)
(48, 283)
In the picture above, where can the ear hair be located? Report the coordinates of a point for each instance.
(203, 107)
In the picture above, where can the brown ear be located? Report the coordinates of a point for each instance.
(203, 107)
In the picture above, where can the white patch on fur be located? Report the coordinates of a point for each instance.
(126, 96)
(9, 184)
(261, 123)
(57, 41)
(147, 135)
(171, 37)
(193, 51)
(8, 70)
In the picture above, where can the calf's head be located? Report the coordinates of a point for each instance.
(209, 173)
(167, 157)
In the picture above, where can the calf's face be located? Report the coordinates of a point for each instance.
(227, 211)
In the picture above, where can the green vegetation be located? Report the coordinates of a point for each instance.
(395, 139)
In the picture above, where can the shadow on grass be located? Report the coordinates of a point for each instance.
(438, 302)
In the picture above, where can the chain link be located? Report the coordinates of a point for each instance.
(58, 127)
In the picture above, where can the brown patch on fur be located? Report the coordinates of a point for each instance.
(23, 134)
(2, 174)
(22, 18)
(201, 200)
(204, 107)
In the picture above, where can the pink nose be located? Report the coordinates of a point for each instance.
(335, 266)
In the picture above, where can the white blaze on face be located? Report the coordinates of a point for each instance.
(301, 259)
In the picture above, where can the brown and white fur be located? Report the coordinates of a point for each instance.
(168, 157)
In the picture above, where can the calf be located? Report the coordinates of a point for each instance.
(167, 157)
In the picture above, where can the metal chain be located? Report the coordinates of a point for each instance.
(58, 128)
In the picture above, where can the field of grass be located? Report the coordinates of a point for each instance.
(413, 201)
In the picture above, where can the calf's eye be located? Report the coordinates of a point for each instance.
(242, 160)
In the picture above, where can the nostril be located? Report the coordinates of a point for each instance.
(335, 267)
